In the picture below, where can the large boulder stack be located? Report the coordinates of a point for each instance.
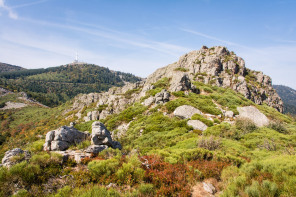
(63, 137)
(101, 138)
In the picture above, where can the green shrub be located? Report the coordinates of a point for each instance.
(27, 173)
(153, 92)
(181, 69)
(202, 102)
(209, 143)
(224, 130)
(36, 146)
(2, 104)
(272, 176)
(278, 126)
(84, 126)
(96, 191)
(103, 167)
(179, 94)
(45, 159)
(146, 189)
(84, 144)
(21, 193)
(130, 172)
(64, 192)
(267, 188)
(209, 123)
(208, 90)
(245, 125)
(162, 83)
(128, 94)
(217, 121)
(102, 107)
(111, 153)
(125, 116)
(157, 130)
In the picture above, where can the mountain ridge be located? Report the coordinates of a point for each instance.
(55, 85)
(8, 67)
(288, 96)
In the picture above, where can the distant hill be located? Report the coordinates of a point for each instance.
(56, 85)
(8, 68)
(288, 95)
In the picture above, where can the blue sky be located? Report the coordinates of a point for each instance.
(141, 36)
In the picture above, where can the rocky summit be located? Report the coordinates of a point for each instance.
(215, 66)
(220, 67)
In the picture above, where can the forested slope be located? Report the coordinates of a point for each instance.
(288, 95)
(8, 68)
(53, 86)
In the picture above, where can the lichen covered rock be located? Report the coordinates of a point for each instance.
(186, 111)
(63, 137)
(8, 160)
(252, 113)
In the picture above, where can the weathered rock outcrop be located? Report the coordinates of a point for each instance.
(8, 160)
(95, 149)
(218, 66)
(252, 113)
(92, 115)
(115, 100)
(61, 138)
(159, 98)
(228, 114)
(162, 97)
(186, 111)
(101, 136)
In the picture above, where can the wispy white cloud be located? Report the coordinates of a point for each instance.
(28, 4)
(11, 13)
(210, 37)
(275, 61)
(120, 37)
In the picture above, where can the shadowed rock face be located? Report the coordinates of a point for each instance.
(101, 136)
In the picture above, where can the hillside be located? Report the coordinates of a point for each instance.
(288, 96)
(9, 68)
(202, 126)
(56, 85)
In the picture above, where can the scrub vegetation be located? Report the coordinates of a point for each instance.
(161, 155)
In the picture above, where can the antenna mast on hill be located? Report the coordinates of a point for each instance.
(76, 58)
